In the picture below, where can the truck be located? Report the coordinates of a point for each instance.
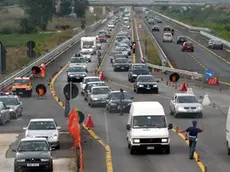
(89, 44)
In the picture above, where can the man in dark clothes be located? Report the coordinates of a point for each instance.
(193, 137)
(122, 97)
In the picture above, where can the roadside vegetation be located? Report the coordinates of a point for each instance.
(149, 47)
(47, 29)
(215, 17)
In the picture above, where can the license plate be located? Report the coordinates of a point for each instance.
(122, 68)
(33, 165)
(77, 77)
(148, 88)
(20, 93)
(150, 148)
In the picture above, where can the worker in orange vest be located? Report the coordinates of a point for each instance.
(43, 67)
(40, 92)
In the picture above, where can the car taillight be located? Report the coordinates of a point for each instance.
(0, 113)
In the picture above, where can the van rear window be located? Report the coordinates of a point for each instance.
(149, 121)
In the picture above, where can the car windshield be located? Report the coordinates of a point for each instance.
(31, 146)
(121, 48)
(149, 122)
(100, 91)
(168, 35)
(218, 42)
(76, 69)
(182, 38)
(143, 72)
(145, 79)
(8, 101)
(117, 95)
(140, 67)
(21, 81)
(78, 60)
(121, 60)
(91, 80)
(124, 45)
(187, 99)
(94, 85)
(42, 125)
(120, 38)
(119, 56)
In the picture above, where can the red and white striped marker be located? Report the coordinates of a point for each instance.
(142, 60)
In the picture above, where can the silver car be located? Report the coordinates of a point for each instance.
(78, 61)
(76, 72)
(98, 95)
(4, 113)
(14, 104)
(87, 80)
(123, 50)
(215, 44)
(185, 104)
(44, 128)
(86, 54)
(125, 46)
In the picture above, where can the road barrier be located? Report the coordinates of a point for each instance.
(49, 57)
(203, 31)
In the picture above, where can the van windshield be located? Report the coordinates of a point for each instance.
(149, 122)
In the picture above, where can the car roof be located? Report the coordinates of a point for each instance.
(144, 108)
(8, 96)
(145, 75)
(31, 139)
(76, 65)
(80, 57)
(41, 119)
(138, 64)
(167, 33)
(121, 58)
(117, 91)
(87, 77)
(100, 87)
(95, 82)
(184, 94)
(22, 78)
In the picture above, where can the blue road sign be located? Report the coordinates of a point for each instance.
(208, 73)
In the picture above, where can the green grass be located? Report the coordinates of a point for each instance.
(16, 40)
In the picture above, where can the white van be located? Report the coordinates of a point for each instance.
(147, 127)
(228, 132)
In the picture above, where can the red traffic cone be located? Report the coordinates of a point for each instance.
(102, 76)
(183, 87)
(89, 122)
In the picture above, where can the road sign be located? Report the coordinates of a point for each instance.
(31, 44)
(74, 91)
(174, 77)
(41, 87)
(31, 53)
(2, 58)
(209, 73)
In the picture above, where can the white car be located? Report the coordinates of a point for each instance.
(44, 128)
(185, 104)
(78, 61)
(167, 37)
(86, 54)
(87, 80)
(111, 25)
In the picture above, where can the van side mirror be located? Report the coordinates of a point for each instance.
(24, 128)
(170, 126)
(128, 127)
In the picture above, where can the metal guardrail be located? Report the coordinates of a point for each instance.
(203, 31)
(52, 55)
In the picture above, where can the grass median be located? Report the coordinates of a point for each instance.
(149, 47)
(15, 43)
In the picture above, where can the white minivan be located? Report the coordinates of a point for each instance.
(147, 127)
(228, 132)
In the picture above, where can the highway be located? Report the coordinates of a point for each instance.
(111, 129)
(12, 132)
(198, 61)
(211, 145)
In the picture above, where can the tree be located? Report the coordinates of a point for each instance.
(65, 7)
(80, 7)
(38, 12)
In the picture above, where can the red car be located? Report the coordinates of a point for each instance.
(102, 38)
(187, 46)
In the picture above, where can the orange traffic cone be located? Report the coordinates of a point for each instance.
(102, 76)
(89, 122)
(183, 87)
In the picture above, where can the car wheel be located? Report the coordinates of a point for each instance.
(166, 149)
(176, 115)
(137, 91)
(68, 79)
(228, 149)
(131, 150)
(16, 169)
(171, 112)
(134, 89)
(201, 116)
(58, 146)
(192, 50)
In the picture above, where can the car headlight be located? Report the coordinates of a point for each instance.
(11, 110)
(113, 104)
(155, 86)
(200, 108)
(136, 140)
(164, 140)
(71, 75)
(21, 160)
(45, 160)
(180, 108)
(94, 98)
(140, 85)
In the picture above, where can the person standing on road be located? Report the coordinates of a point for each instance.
(99, 58)
(134, 47)
(122, 97)
(193, 137)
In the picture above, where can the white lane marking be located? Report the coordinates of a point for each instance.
(106, 127)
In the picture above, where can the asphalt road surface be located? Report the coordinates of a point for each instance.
(12, 132)
(111, 129)
(212, 143)
(198, 61)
